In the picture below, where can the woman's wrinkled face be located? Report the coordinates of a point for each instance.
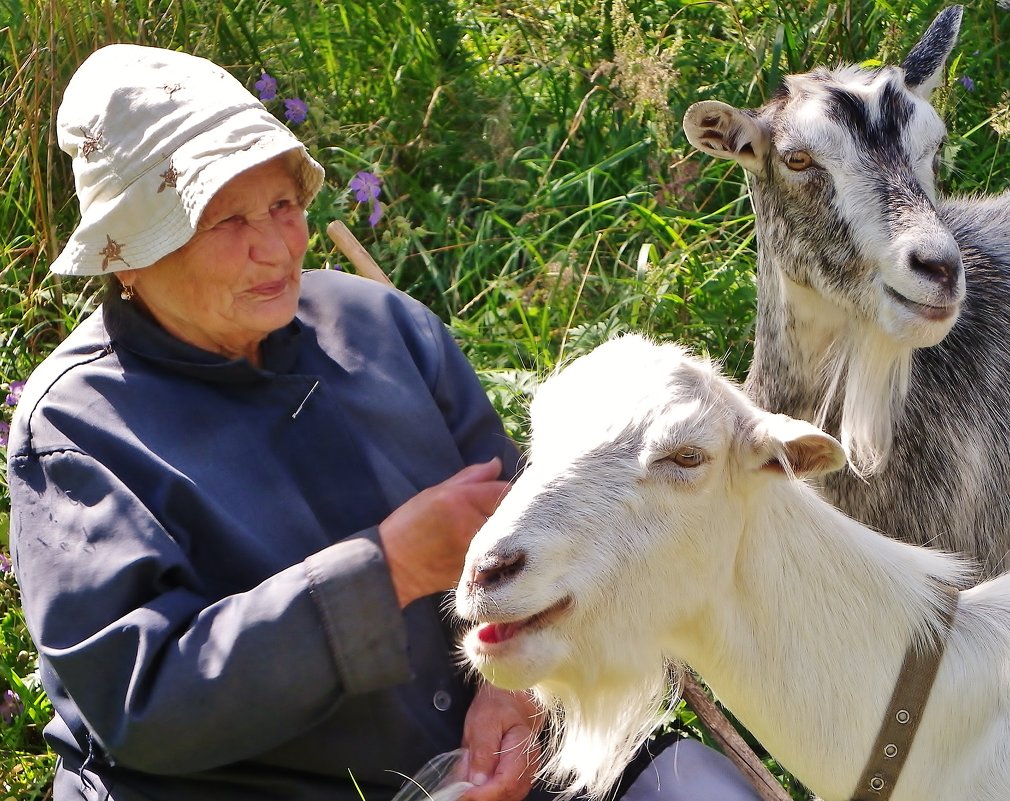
(238, 278)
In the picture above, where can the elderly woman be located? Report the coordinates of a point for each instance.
(229, 481)
(238, 490)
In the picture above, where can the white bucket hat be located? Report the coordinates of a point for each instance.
(154, 134)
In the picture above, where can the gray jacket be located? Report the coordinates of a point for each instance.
(195, 540)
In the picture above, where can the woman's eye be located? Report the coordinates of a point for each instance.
(798, 160)
(687, 456)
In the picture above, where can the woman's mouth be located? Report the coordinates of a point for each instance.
(270, 289)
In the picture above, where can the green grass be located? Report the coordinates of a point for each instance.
(539, 193)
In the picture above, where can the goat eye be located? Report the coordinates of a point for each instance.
(687, 456)
(798, 160)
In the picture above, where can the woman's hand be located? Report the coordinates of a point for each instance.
(425, 539)
(500, 736)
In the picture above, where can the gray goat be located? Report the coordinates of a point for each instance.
(883, 310)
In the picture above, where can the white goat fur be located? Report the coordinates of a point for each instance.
(882, 307)
(797, 616)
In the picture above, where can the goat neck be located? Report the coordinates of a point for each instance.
(806, 639)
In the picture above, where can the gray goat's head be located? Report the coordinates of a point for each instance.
(844, 163)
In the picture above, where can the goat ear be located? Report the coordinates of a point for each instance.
(728, 133)
(924, 63)
(786, 445)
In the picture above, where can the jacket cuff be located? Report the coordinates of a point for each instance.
(352, 588)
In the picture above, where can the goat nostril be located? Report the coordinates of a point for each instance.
(496, 569)
(941, 271)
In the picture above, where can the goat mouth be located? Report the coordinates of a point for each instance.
(936, 313)
(499, 632)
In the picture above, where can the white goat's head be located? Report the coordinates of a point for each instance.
(640, 460)
(845, 163)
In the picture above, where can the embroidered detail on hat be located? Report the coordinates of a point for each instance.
(113, 251)
(172, 88)
(91, 144)
(168, 178)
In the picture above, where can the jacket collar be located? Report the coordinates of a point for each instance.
(135, 331)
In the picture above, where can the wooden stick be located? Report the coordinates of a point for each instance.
(732, 744)
(360, 259)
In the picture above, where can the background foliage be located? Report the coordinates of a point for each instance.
(537, 191)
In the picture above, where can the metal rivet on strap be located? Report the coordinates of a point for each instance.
(890, 750)
(902, 716)
(876, 784)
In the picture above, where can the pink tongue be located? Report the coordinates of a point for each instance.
(496, 632)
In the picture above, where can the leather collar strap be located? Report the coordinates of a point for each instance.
(911, 692)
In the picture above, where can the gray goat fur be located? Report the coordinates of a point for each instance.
(883, 310)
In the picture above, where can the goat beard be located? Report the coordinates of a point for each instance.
(594, 729)
(868, 377)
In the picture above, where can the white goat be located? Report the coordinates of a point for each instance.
(662, 518)
(883, 311)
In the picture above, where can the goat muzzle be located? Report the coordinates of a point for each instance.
(493, 570)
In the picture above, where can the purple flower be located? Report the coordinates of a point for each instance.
(266, 86)
(5, 564)
(295, 110)
(5, 431)
(10, 706)
(366, 186)
(14, 395)
(967, 83)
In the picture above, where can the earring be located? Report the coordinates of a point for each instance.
(127, 293)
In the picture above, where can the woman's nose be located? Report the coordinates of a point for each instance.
(269, 243)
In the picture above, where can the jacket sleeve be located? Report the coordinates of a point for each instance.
(468, 412)
(155, 671)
